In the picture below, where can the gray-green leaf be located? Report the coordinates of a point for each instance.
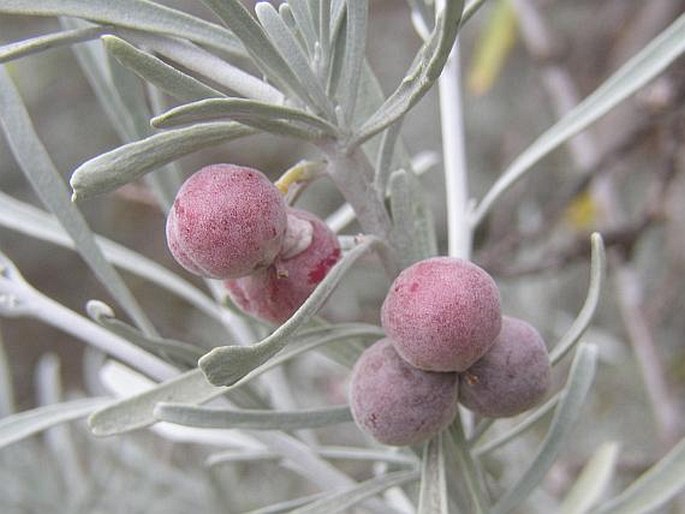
(433, 490)
(228, 364)
(42, 43)
(193, 388)
(177, 352)
(292, 53)
(260, 48)
(424, 72)
(341, 501)
(652, 489)
(113, 169)
(47, 182)
(136, 412)
(634, 74)
(24, 424)
(249, 112)
(136, 14)
(157, 72)
(593, 481)
(205, 417)
(582, 321)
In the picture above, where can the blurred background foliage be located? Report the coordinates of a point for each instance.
(540, 264)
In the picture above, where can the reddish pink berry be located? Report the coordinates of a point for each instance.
(512, 377)
(442, 313)
(227, 221)
(276, 292)
(396, 403)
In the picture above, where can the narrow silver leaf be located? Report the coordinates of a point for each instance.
(135, 14)
(205, 417)
(47, 182)
(18, 426)
(113, 169)
(228, 364)
(157, 72)
(634, 74)
(424, 72)
(652, 489)
(339, 502)
(42, 43)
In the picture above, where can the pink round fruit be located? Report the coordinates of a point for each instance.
(226, 221)
(398, 404)
(512, 377)
(442, 313)
(273, 294)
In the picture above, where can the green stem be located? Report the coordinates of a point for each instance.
(354, 177)
(467, 468)
(478, 432)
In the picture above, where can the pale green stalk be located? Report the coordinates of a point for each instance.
(454, 154)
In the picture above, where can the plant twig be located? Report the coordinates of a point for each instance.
(454, 154)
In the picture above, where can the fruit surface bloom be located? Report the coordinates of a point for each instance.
(442, 313)
(512, 377)
(276, 292)
(396, 403)
(226, 221)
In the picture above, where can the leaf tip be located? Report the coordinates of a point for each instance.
(109, 40)
(157, 122)
(97, 310)
(208, 365)
(158, 411)
(97, 428)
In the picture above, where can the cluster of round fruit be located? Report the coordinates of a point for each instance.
(447, 338)
(231, 223)
(447, 342)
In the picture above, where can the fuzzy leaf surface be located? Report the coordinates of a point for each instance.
(652, 489)
(192, 387)
(41, 43)
(354, 57)
(593, 480)
(577, 329)
(205, 417)
(136, 411)
(292, 53)
(228, 364)
(249, 112)
(157, 72)
(433, 489)
(46, 181)
(259, 47)
(113, 169)
(149, 17)
(423, 73)
(339, 502)
(25, 424)
(32, 221)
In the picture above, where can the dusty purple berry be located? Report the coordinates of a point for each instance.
(226, 221)
(442, 313)
(397, 403)
(276, 292)
(512, 377)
